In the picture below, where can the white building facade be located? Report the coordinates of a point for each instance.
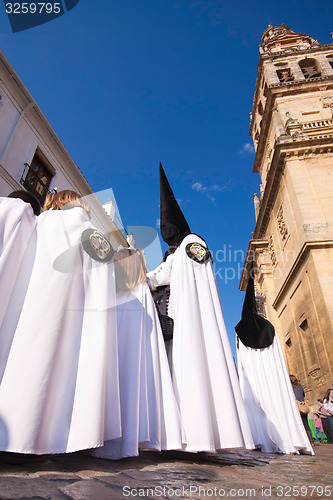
(32, 156)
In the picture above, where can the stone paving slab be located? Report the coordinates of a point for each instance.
(88, 489)
(168, 475)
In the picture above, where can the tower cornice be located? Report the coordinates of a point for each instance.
(301, 147)
(264, 56)
(275, 91)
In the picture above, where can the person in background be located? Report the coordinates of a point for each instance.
(326, 425)
(328, 406)
(300, 396)
(319, 428)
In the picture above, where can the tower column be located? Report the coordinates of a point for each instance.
(293, 236)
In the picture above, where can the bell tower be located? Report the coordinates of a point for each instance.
(292, 130)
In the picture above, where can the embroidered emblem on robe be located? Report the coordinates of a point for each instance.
(96, 245)
(197, 252)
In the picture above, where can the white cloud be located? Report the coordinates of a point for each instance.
(200, 188)
(158, 223)
(197, 186)
(247, 149)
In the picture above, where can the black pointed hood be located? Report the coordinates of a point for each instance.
(173, 226)
(253, 330)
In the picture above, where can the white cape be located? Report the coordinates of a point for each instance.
(150, 416)
(17, 254)
(60, 389)
(202, 366)
(270, 402)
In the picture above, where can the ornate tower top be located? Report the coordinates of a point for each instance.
(281, 38)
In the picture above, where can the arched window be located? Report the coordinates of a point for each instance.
(310, 68)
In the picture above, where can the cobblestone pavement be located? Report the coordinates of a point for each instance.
(233, 474)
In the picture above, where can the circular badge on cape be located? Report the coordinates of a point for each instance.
(96, 245)
(197, 252)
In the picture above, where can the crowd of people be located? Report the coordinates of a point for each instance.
(88, 360)
(319, 416)
(84, 364)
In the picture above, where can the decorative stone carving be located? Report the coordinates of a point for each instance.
(256, 205)
(328, 103)
(261, 191)
(282, 224)
(283, 39)
(271, 250)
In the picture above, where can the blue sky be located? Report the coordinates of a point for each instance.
(129, 83)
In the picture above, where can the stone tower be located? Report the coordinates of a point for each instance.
(292, 130)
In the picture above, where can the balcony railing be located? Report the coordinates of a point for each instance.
(317, 124)
(307, 130)
(35, 184)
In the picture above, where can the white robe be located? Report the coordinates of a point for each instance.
(202, 367)
(17, 254)
(270, 402)
(60, 389)
(150, 416)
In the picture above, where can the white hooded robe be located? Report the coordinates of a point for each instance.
(60, 387)
(269, 399)
(202, 366)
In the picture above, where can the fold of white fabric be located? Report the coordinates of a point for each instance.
(150, 416)
(60, 388)
(17, 254)
(270, 402)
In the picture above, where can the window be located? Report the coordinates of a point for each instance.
(304, 325)
(310, 68)
(36, 178)
(285, 75)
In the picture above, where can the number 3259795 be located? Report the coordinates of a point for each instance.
(33, 8)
